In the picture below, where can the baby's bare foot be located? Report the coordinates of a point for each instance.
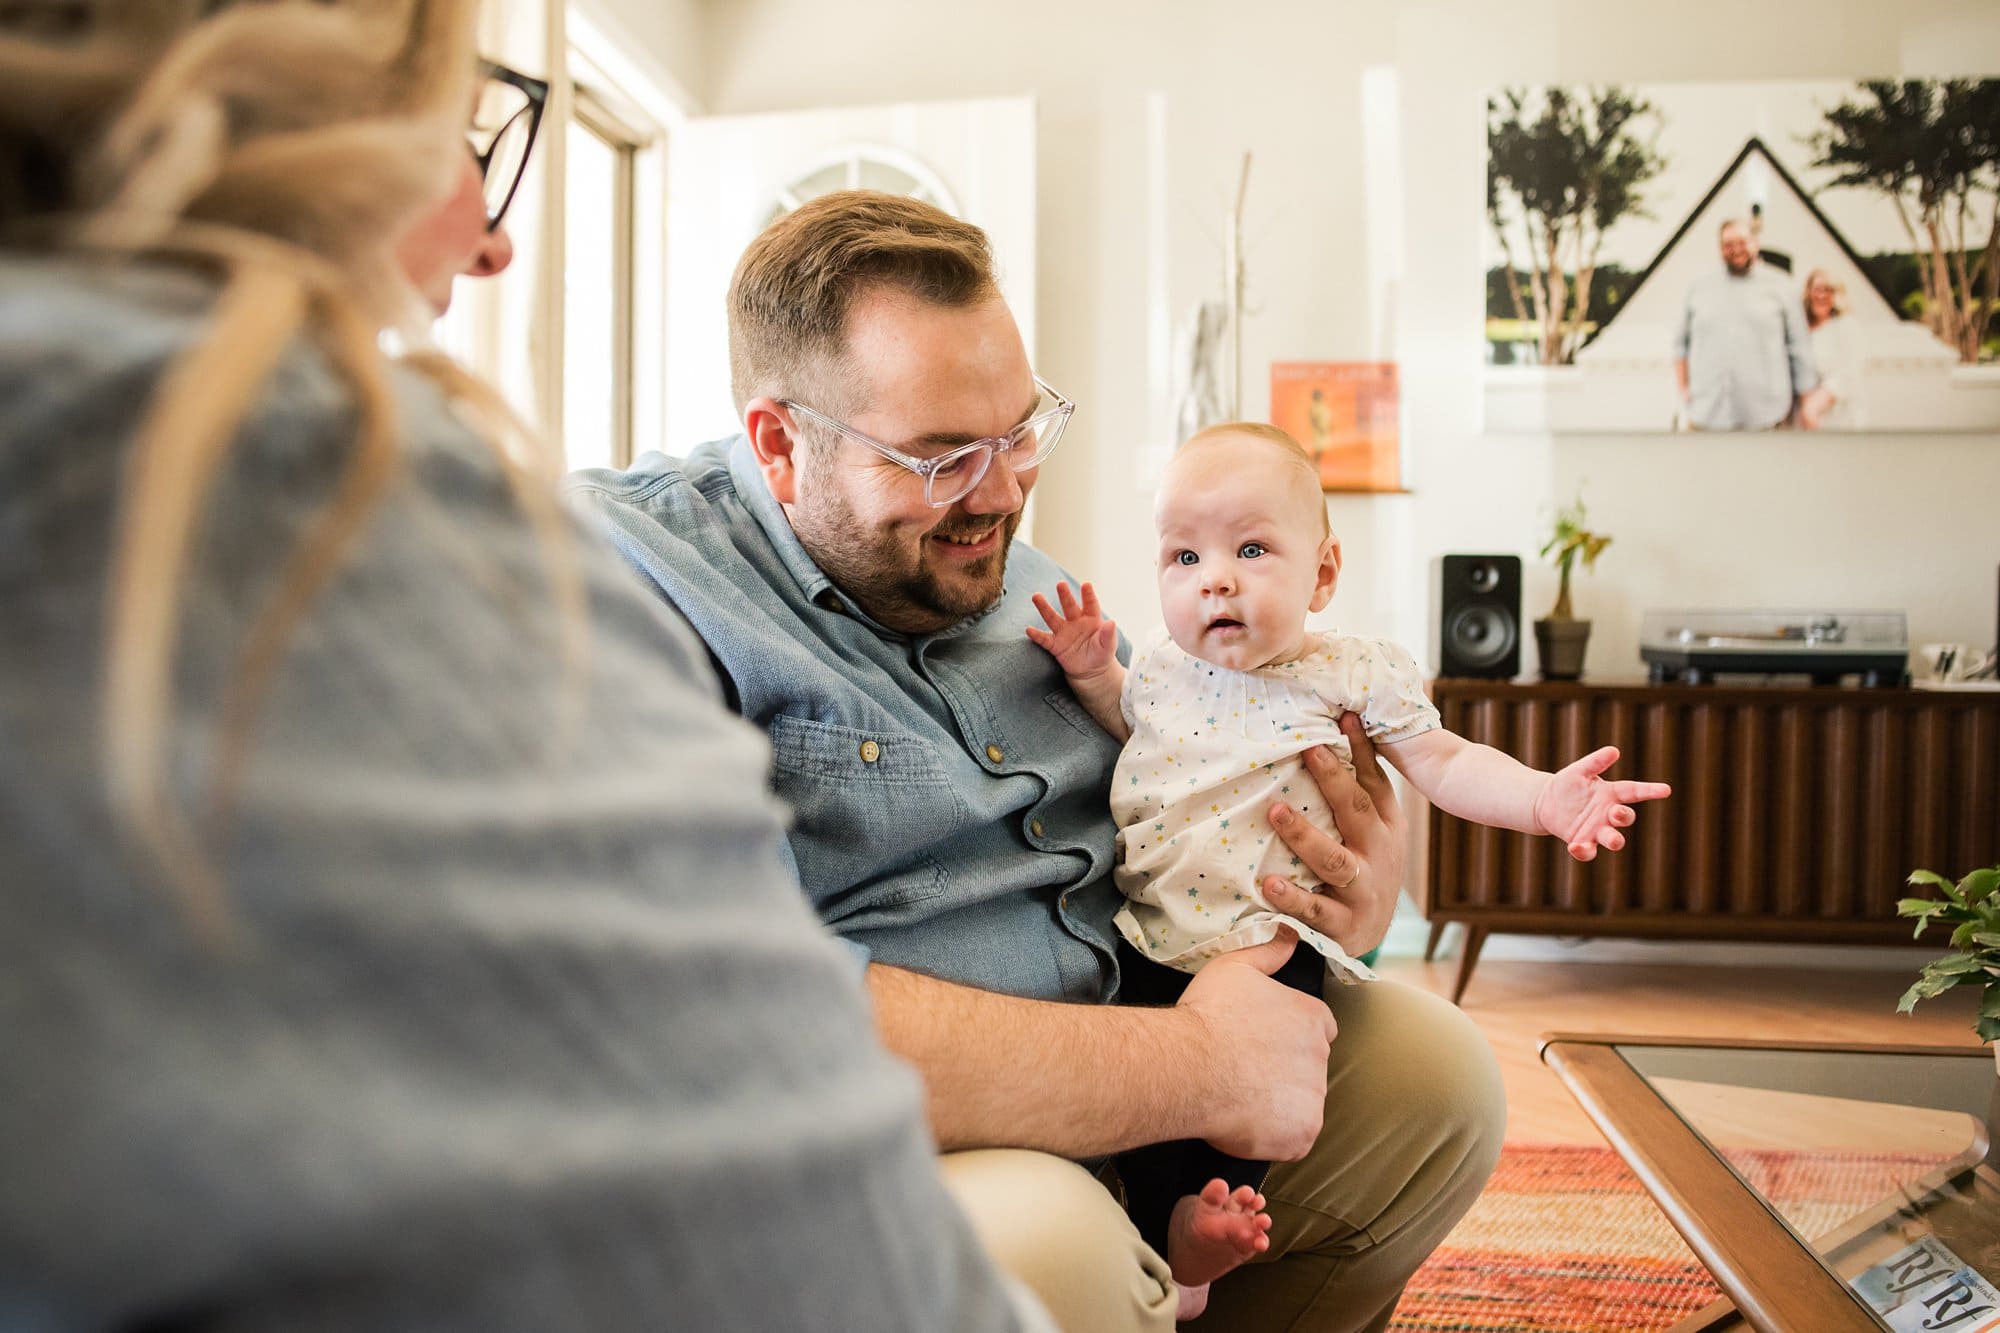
(1212, 1233)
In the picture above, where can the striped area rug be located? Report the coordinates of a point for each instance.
(1566, 1240)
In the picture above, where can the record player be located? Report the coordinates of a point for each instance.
(1694, 647)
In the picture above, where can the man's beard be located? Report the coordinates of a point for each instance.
(871, 567)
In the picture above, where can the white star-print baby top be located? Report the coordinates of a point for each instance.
(1211, 750)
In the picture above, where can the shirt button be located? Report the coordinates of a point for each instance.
(995, 753)
(870, 752)
(833, 604)
(1035, 827)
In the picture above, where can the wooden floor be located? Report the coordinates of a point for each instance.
(1514, 1003)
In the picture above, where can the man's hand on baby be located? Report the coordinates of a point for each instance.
(1082, 639)
(1360, 873)
(1260, 1054)
(1580, 807)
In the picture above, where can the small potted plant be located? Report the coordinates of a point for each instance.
(1561, 637)
(1972, 910)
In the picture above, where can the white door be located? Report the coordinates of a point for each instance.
(728, 176)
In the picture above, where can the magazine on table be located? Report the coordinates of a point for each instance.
(1924, 1286)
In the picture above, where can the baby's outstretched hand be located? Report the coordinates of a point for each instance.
(1080, 637)
(1585, 811)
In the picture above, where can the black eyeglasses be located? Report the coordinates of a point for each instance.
(504, 122)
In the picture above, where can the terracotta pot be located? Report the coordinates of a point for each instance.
(1562, 643)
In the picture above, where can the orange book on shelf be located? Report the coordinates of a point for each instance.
(1345, 414)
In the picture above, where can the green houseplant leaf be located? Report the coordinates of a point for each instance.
(1940, 883)
(1923, 907)
(1568, 540)
(1979, 885)
(1955, 965)
(1971, 908)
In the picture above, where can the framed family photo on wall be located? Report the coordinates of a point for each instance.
(1345, 414)
(1743, 257)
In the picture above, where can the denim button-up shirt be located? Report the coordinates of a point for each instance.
(949, 793)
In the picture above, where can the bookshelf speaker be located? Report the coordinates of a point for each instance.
(1479, 616)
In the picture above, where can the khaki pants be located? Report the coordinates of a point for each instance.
(1414, 1119)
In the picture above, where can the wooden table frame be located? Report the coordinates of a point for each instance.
(1774, 1280)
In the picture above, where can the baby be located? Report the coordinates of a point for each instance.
(1216, 717)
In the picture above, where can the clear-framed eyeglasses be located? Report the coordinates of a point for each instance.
(950, 476)
(504, 123)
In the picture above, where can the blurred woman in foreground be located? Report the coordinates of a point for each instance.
(359, 825)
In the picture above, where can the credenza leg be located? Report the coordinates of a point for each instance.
(1468, 958)
(1431, 946)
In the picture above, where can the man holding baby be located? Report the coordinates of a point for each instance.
(849, 558)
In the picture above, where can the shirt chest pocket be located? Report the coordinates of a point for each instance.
(871, 813)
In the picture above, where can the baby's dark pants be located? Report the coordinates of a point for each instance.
(1157, 1176)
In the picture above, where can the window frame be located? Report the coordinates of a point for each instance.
(601, 116)
(645, 100)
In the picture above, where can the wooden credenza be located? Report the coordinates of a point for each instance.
(1797, 813)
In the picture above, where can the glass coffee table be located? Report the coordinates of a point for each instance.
(1720, 1133)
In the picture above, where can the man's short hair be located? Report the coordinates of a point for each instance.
(794, 286)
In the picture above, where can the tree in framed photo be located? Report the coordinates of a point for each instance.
(1932, 148)
(1563, 166)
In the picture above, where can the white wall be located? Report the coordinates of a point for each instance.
(1865, 522)
(668, 34)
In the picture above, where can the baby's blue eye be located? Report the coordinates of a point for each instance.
(1187, 558)
(1251, 550)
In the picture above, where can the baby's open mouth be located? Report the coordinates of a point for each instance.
(1224, 623)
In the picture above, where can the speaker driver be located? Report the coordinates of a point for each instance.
(1479, 636)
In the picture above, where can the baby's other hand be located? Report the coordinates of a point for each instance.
(1080, 637)
(1585, 811)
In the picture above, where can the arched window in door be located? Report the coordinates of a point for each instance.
(864, 167)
